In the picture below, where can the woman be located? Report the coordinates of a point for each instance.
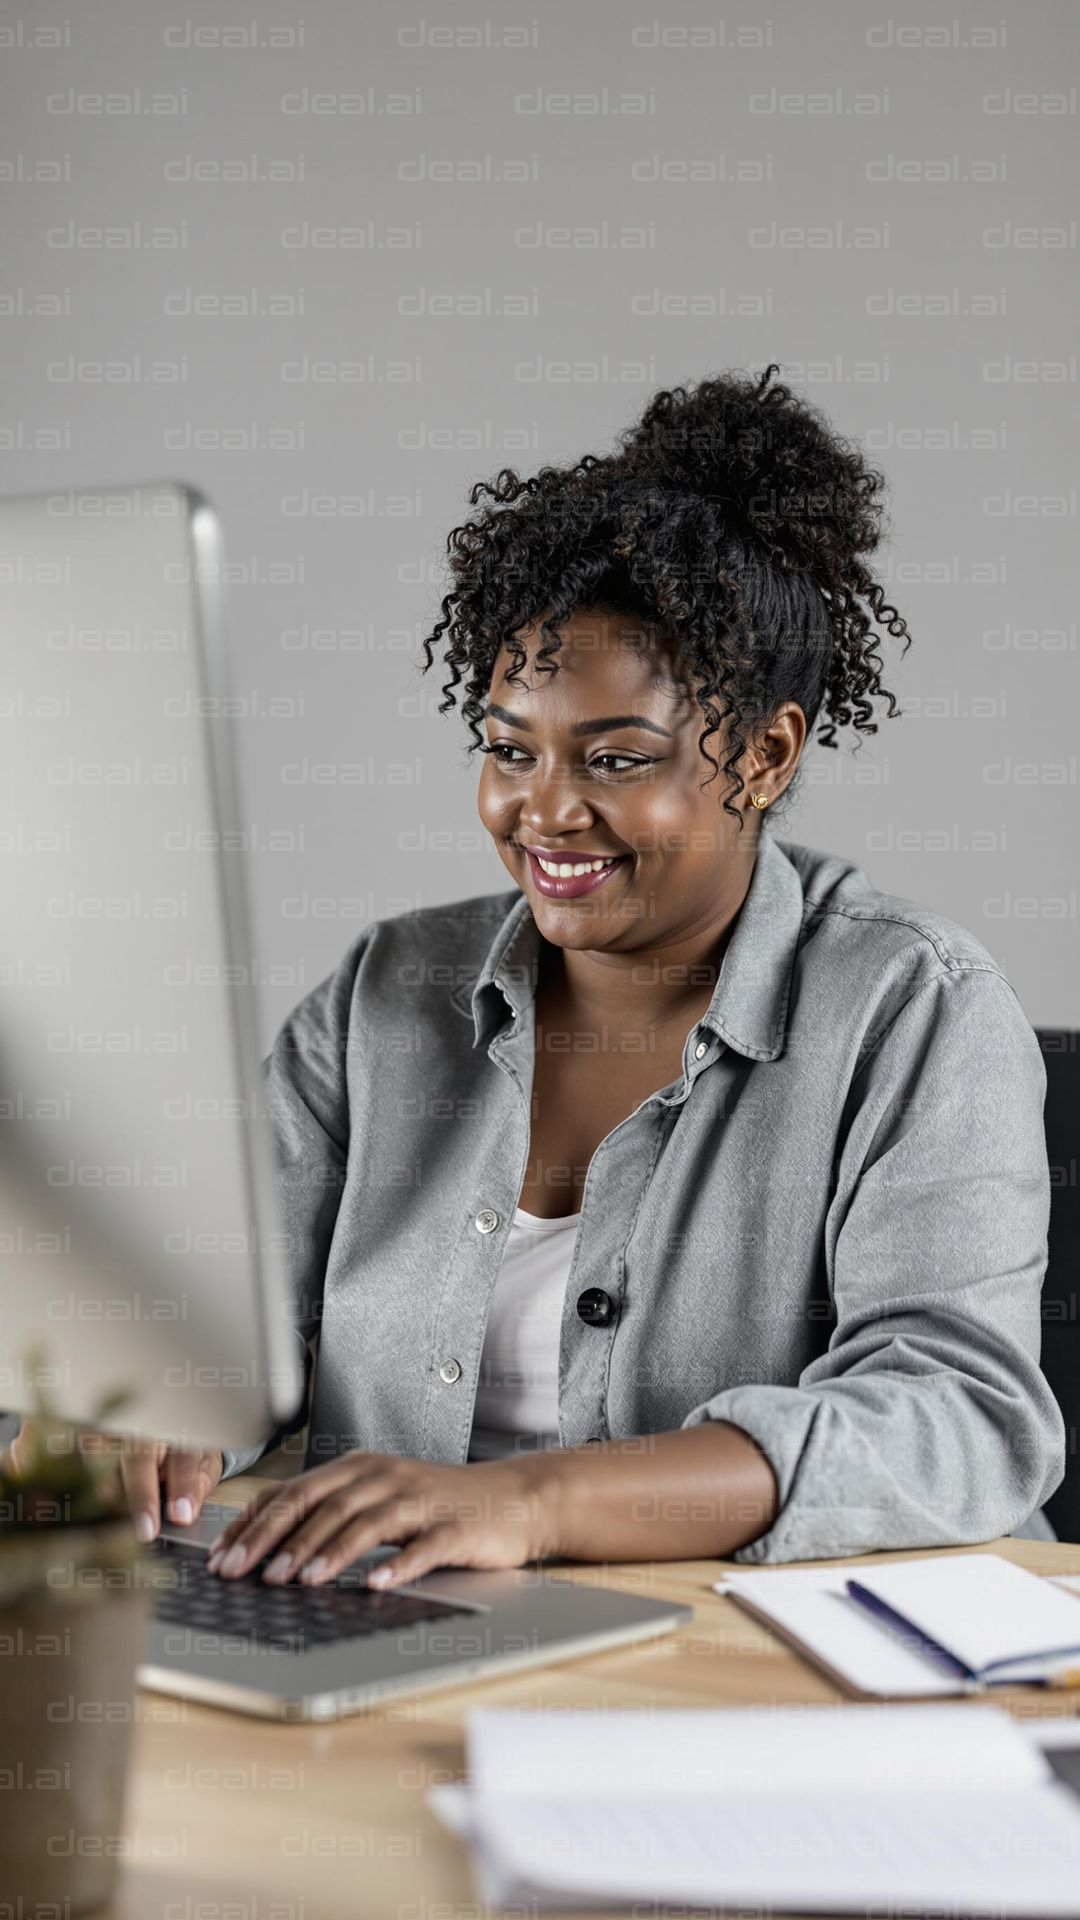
(690, 1198)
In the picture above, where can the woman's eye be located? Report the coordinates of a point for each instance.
(501, 747)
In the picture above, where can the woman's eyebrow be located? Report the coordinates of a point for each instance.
(580, 726)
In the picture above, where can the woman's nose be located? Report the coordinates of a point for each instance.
(552, 806)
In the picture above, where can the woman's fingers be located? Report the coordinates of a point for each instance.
(242, 1519)
(244, 1516)
(389, 1522)
(445, 1544)
(189, 1475)
(365, 1514)
(188, 1479)
(276, 1512)
(19, 1446)
(140, 1466)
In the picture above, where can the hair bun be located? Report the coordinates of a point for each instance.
(780, 475)
(730, 522)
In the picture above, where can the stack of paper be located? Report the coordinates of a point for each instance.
(949, 1808)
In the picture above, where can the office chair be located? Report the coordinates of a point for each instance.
(1061, 1291)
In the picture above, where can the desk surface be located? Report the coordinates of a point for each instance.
(230, 1816)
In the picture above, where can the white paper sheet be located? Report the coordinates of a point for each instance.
(676, 1751)
(1009, 1853)
(949, 1807)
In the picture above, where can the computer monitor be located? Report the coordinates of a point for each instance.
(140, 1245)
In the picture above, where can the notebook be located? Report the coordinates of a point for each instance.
(922, 1627)
(949, 1808)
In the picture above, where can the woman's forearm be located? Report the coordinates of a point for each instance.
(695, 1493)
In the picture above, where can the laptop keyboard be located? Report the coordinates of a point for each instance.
(289, 1619)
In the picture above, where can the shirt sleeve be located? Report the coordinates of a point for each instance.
(927, 1422)
(305, 1089)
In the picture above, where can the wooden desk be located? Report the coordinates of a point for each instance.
(231, 1818)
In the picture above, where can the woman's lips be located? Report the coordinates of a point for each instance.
(571, 889)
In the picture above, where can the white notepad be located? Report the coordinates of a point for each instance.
(980, 1607)
(1005, 1625)
(946, 1807)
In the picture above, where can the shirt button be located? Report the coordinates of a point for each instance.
(486, 1221)
(596, 1307)
(702, 1047)
(449, 1371)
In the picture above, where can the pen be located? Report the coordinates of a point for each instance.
(1068, 1677)
(912, 1635)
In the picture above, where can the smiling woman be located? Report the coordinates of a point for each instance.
(705, 1209)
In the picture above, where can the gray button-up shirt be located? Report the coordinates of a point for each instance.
(830, 1230)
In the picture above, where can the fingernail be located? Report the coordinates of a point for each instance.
(316, 1569)
(380, 1577)
(213, 1559)
(182, 1510)
(145, 1527)
(278, 1568)
(234, 1560)
(216, 1544)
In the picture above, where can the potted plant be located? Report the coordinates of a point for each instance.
(75, 1591)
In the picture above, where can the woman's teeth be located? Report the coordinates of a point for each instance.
(568, 872)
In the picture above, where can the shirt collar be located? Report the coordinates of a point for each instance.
(749, 1006)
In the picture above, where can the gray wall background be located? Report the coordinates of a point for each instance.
(333, 265)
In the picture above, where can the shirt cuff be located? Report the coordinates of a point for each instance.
(240, 1462)
(790, 1423)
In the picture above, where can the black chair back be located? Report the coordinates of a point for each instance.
(1061, 1292)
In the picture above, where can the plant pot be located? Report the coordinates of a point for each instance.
(74, 1605)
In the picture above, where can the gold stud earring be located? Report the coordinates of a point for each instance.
(759, 800)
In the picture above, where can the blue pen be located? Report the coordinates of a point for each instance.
(913, 1634)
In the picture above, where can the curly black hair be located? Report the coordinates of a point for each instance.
(730, 525)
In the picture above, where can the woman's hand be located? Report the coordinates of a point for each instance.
(492, 1514)
(144, 1465)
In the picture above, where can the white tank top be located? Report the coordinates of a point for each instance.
(517, 1397)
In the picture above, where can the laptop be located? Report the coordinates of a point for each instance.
(298, 1653)
(138, 1202)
